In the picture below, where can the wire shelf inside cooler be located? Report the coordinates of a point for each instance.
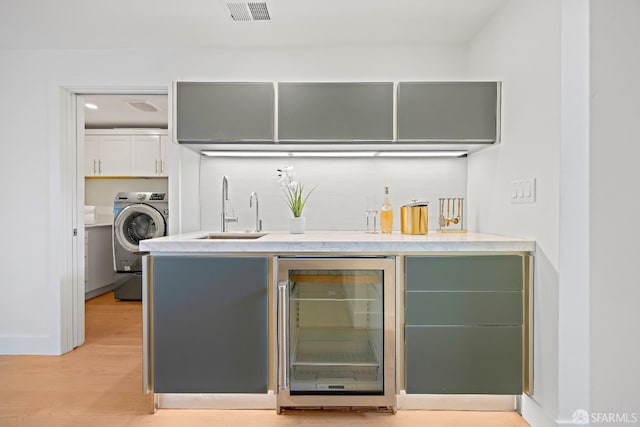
(326, 353)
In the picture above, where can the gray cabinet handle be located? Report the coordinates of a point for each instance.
(156, 167)
(283, 339)
(94, 166)
(100, 166)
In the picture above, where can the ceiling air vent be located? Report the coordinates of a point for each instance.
(145, 106)
(251, 11)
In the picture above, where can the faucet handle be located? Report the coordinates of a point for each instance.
(233, 217)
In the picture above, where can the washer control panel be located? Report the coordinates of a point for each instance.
(141, 196)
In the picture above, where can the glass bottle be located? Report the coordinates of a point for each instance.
(386, 214)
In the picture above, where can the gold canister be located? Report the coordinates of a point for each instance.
(414, 218)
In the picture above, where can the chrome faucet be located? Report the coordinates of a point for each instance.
(254, 195)
(225, 198)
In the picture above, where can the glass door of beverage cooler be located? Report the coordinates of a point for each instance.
(336, 328)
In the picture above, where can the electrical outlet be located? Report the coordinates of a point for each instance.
(523, 191)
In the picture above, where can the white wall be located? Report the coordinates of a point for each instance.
(573, 299)
(31, 150)
(345, 189)
(521, 47)
(614, 178)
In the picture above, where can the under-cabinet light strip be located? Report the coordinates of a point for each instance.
(220, 153)
(421, 153)
(333, 153)
(215, 153)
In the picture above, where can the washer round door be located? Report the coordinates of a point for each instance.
(138, 222)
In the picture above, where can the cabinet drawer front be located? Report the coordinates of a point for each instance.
(464, 308)
(464, 359)
(464, 273)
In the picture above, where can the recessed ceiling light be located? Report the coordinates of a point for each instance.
(91, 106)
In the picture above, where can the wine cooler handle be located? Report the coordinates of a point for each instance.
(283, 339)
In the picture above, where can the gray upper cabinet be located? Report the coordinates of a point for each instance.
(442, 112)
(224, 112)
(316, 112)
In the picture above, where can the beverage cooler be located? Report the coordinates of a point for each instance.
(336, 333)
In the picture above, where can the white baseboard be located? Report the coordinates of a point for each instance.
(534, 414)
(97, 292)
(456, 402)
(216, 401)
(28, 345)
(268, 401)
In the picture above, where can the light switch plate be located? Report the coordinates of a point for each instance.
(523, 191)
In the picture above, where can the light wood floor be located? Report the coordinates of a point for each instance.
(99, 384)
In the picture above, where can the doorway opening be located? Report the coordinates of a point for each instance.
(109, 150)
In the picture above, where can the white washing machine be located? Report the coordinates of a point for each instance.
(137, 216)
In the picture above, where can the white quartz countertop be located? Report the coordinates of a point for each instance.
(340, 242)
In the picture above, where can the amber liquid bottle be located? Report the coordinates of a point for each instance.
(386, 214)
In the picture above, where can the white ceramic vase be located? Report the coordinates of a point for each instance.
(296, 225)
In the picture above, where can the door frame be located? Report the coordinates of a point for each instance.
(72, 177)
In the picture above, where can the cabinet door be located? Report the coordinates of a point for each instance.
(224, 112)
(164, 147)
(99, 255)
(335, 111)
(448, 111)
(146, 155)
(91, 155)
(209, 324)
(115, 155)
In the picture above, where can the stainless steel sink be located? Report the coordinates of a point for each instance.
(248, 235)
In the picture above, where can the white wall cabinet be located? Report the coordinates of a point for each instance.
(135, 153)
(98, 260)
(107, 155)
(149, 155)
(164, 149)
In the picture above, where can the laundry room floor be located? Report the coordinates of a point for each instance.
(100, 384)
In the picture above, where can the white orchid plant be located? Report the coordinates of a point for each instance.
(293, 190)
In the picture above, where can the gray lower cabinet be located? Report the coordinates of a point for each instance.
(209, 330)
(98, 256)
(464, 324)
